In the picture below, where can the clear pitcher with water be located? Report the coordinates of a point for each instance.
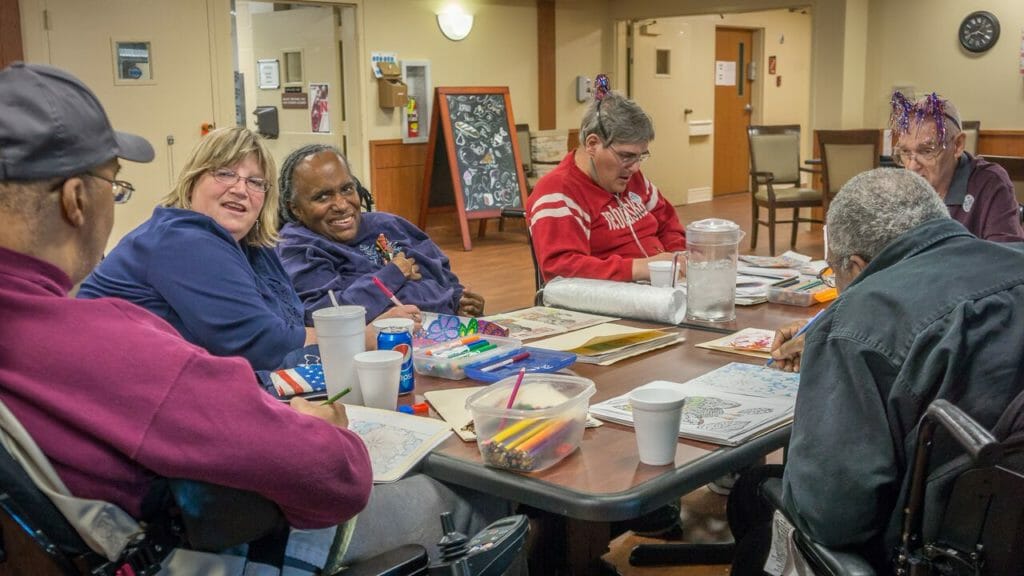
(711, 250)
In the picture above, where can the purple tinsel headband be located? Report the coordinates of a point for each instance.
(601, 87)
(931, 106)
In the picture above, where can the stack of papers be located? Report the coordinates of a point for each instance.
(606, 344)
(726, 406)
(541, 321)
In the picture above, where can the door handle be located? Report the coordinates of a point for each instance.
(748, 108)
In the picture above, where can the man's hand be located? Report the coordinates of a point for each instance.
(404, 311)
(641, 272)
(787, 350)
(407, 265)
(471, 304)
(331, 413)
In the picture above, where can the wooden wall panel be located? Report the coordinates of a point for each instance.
(546, 81)
(10, 33)
(396, 172)
(1001, 142)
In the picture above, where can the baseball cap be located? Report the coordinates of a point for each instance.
(52, 126)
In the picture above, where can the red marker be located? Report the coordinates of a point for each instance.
(388, 293)
(506, 362)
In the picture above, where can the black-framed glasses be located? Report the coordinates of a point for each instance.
(629, 158)
(230, 178)
(827, 277)
(121, 189)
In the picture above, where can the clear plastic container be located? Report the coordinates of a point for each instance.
(793, 297)
(432, 360)
(544, 425)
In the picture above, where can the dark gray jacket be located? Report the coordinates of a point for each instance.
(938, 314)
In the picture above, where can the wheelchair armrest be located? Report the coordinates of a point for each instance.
(825, 561)
(978, 442)
(404, 560)
(217, 517)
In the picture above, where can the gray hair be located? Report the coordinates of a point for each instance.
(616, 118)
(874, 208)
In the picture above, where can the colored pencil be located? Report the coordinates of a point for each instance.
(800, 332)
(336, 397)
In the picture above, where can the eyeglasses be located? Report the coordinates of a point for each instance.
(122, 190)
(252, 183)
(928, 152)
(629, 158)
(827, 277)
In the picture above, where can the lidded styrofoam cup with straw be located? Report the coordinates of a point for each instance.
(712, 246)
(340, 333)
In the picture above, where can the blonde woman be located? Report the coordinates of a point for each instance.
(204, 261)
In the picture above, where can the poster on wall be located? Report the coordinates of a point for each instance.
(319, 110)
(269, 74)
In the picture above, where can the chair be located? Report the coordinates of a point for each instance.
(981, 528)
(774, 161)
(35, 538)
(538, 279)
(1014, 166)
(971, 128)
(525, 154)
(844, 154)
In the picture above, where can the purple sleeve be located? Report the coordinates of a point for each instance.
(240, 437)
(998, 213)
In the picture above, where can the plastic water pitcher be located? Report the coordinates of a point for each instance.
(712, 246)
(340, 333)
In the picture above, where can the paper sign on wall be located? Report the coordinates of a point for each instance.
(725, 73)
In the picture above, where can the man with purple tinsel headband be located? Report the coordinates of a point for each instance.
(977, 193)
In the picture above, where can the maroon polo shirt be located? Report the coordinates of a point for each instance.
(981, 198)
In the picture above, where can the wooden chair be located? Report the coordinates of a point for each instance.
(844, 154)
(971, 128)
(774, 161)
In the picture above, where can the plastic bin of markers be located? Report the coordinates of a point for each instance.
(794, 296)
(544, 425)
(431, 360)
(539, 361)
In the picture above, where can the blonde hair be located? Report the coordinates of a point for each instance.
(227, 147)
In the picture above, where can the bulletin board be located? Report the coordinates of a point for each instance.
(473, 157)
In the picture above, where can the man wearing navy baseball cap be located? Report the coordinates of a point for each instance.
(110, 393)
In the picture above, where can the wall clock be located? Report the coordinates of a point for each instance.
(979, 31)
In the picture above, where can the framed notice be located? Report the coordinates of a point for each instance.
(269, 72)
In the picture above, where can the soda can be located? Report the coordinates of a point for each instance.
(396, 334)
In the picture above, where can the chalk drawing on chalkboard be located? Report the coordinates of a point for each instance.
(472, 157)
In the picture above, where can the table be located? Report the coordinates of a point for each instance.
(604, 480)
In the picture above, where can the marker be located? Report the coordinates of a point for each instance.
(463, 350)
(421, 408)
(336, 397)
(485, 347)
(800, 332)
(456, 344)
(388, 293)
(506, 362)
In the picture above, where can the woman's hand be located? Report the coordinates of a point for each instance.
(471, 304)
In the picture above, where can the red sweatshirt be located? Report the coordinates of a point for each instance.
(580, 230)
(115, 397)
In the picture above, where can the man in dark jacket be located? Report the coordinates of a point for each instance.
(926, 311)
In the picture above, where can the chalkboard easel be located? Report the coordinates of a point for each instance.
(472, 157)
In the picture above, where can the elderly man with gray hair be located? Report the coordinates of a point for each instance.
(925, 311)
(596, 215)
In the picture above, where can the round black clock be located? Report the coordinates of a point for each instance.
(979, 31)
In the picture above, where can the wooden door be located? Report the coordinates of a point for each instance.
(733, 53)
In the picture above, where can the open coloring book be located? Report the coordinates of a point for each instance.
(396, 442)
(725, 406)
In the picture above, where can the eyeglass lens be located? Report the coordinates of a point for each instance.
(229, 178)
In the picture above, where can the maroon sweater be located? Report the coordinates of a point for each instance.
(114, 397)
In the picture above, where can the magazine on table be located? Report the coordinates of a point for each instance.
(726, 406)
